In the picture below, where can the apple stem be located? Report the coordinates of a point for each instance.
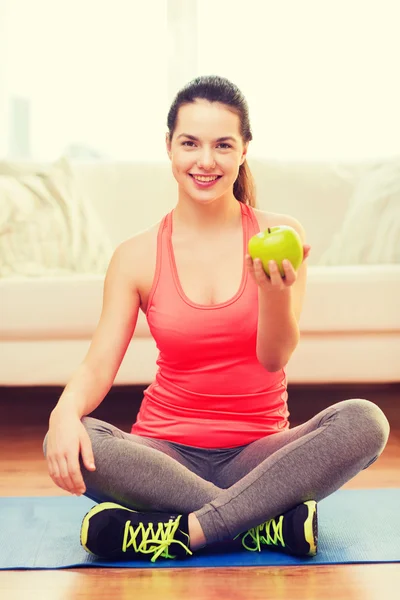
(269, 230)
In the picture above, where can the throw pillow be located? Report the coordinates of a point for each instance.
(47, 227)
(370, 233)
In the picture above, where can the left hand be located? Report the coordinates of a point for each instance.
(275, 282)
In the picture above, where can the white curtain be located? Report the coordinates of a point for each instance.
(92, 74)
(321, 76)
(95, 78)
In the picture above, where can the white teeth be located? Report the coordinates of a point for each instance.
(205, 178)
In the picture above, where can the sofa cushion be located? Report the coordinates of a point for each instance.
(52, 307)
(352, 298)
(361, 298)
(47, 227)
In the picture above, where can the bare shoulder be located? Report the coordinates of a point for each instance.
(134, 256)
(136, 259)
(268, 219)
(141, 242)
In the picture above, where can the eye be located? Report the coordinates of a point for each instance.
(224, 146)
(187, 143)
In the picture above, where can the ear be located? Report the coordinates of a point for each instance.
(244, 153)
(168, 144)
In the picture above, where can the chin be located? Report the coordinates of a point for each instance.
(205, 196)
(204, 199)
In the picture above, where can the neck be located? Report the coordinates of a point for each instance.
(222, 213)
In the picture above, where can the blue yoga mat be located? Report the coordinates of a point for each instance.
(355, 526)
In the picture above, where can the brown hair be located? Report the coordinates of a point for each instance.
(218, 89)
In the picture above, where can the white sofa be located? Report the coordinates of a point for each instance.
(350, 326)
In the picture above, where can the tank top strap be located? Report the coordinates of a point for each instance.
(164, 232)
(163, 262)
(251, 224)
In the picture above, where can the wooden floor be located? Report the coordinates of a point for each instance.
(23, 417)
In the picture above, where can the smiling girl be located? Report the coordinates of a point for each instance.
(211, 457)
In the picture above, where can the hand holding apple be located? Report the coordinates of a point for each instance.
(272, 262)
(277, 244)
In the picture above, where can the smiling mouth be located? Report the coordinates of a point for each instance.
(205, 178)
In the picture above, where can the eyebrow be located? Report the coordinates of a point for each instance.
(195, 139)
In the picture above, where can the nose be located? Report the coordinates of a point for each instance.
(206, 160)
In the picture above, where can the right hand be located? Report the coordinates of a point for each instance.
(67, 439)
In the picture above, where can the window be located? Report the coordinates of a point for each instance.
(95, 79)
(320, 76)
(85, 78)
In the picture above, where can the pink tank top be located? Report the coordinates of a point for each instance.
(210, 391)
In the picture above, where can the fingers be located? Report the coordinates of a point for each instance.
(278, 281)
(290, 273)
(87, 451)
(66, 474)
(275, 279)
(306, 251)
(54, 472)
(249, 265)
(57, 471)
(257, 271)
(75, 476)
(275, 276)
(63, 458)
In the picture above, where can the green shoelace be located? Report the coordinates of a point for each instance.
(156, 542)
(269, 533)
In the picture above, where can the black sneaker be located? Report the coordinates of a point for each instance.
(114, 532)
(294, 532)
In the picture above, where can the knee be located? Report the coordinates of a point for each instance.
(98, 430)
(92, 426)
(89, 423)
(370, 423)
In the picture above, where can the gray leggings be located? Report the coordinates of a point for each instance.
(233, 489)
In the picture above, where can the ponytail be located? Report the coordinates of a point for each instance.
(244, 188)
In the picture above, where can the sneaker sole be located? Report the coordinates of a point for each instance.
(94, 511)
(310, 527)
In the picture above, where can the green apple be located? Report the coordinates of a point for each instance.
(277, 243)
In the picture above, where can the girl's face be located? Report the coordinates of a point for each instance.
(206, 150)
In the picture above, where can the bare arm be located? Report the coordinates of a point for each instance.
(280, 306)
(67, 436)
(95, 376)
(278, 332)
